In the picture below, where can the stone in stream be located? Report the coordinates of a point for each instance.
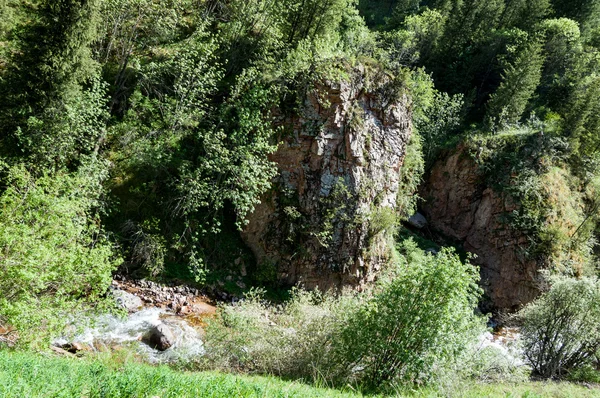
(130, 302)
(160, 337)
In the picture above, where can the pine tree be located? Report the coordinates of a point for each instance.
(586, 12)
(44, 78)
(519, 81)
(524, 14)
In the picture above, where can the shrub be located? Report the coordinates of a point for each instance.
(293, 340)
(421, 315)
(53, 255)
(561, 330)
(417, 319)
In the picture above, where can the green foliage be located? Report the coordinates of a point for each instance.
(415, 41)
(586, 12)
(293, 340)
(519, 81)
(42, 87)
(562, 47)
(561, 330)
(54, 257)
(436, 122)
(186, 159)
(525, 14)
(550, 207)
(309, 19)
(232, 165)
(419, 317)
(411, 174)
(335, 209)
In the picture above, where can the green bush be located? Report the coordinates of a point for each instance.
(416, 321)
(292, 340)
(53, 255)
(420, 317)
(561, 330)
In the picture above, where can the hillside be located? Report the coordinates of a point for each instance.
(359, 186)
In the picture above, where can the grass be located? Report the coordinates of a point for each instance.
(24, 374)
(33, 375)
(531, 390)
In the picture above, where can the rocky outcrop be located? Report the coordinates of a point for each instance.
(183, 300)
(324, 222)
(8, 335)
(458, 204)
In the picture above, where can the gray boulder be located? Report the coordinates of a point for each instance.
(160, 337)
(418, 220)
(130, 302)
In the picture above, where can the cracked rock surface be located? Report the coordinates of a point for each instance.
(460, 205)
(338, 165)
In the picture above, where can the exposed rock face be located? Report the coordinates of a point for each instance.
(418, 221)
(459, 205)
(338, 171)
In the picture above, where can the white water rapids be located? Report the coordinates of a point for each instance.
(110, 331)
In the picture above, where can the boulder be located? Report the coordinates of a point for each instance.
(130, 302)
(338, 167)
(418, 221)
(160, 337)
(459, 205)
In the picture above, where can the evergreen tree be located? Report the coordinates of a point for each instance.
(586, 12)
(44, 78)
(524, 14)
(468, 45)
(563, 48)
(519, 81)
(582, 121)
(403, 9)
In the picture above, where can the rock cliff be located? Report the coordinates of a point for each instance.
(458, 204)
(325, 221)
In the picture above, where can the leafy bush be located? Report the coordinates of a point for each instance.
(53, 255)
(418, 319)
(421, 315)
(294, 340)
(561, 330)
(411, 174)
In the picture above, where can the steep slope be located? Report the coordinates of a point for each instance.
(326, 222)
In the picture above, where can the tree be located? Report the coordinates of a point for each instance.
(586, 12)
(403, 9)
(519, 81)
(582, 120)
(563, 48)
(45, 82)
(55, 260)
(128, 28)
(468, 47)
(524, 14)
(561, 330)
(418, 318)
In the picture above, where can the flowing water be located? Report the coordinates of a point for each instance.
(108, 331)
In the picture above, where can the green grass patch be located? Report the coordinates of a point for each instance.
(33, 375)
(531, 390)
(24, 374)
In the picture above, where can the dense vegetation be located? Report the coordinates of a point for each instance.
(137, 134)
(26, 374)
